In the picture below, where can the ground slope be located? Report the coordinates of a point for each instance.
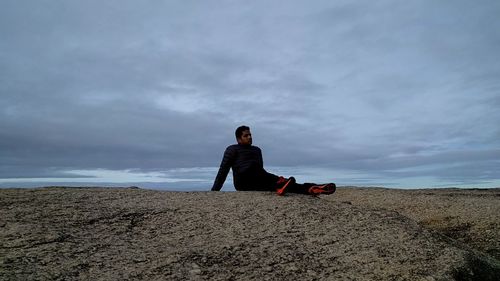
(103, 234)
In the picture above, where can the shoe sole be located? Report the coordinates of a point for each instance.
(328, 188)
(281, 191)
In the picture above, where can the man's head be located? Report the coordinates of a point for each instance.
(243, 135)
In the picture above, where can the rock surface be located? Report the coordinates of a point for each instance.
(355, 234)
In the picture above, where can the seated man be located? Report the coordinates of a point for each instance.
(248, 170)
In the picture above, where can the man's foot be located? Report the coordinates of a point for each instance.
(283, 184)
(328, 188)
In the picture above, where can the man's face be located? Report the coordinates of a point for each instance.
(246, 138)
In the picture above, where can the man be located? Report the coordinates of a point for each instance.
(248, 170)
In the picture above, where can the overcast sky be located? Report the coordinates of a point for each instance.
(392, 93)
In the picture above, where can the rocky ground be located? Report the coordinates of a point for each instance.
(471, 216)
(355, 234)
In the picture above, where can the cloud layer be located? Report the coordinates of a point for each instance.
(390, 90)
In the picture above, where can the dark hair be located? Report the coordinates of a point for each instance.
(239, 131)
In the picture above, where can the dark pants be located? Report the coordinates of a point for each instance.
(261, 180)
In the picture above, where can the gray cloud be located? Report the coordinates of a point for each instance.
(389, 88)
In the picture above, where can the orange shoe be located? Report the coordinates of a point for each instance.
(328, 188)
(283, 184)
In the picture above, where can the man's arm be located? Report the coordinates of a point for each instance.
(261, 161)
(225, 165)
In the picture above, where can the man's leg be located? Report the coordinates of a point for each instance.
(309, 188)
(299, 188)
(283, 185)
(271, 182)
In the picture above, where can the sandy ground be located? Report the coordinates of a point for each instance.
(355, 234)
